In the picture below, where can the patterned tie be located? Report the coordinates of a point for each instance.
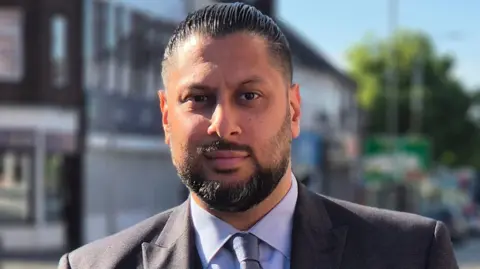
(246, 249)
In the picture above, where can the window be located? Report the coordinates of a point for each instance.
(11, 45)
(141, 56)
(89, 68)
(18, 172)
(15, 185)
(55, 201)
(59, 51)
(123, 47)
(100, 43)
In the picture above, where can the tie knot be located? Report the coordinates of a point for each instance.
(245, 246)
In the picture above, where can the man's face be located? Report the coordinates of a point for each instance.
(229, 116)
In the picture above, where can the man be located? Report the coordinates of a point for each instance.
(230, 112)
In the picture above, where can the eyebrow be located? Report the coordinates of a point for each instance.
(203, 87)
(253, 79)
(200, 87)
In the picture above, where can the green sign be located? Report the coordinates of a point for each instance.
(388, 159)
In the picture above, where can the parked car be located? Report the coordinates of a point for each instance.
(474, 226)
(453, 219)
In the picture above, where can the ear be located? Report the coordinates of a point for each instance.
(295, 109)
(162, 96)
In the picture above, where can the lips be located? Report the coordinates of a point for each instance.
(225, 154)
(226, 159)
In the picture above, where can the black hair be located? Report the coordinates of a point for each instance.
(218, 20)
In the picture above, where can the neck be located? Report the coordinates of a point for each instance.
(245, 220)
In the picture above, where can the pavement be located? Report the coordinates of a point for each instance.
(468, 256)
(28, 265)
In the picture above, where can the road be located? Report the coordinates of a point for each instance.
(468, 257)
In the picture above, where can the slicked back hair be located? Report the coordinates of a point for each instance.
(219, 20)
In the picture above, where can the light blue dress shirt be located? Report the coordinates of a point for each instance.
(274, 231)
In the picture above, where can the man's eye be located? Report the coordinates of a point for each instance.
(249, 96)
(198, 98)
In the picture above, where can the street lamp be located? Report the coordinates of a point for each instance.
(392, 91)
(392, 84)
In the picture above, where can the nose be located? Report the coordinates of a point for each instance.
(224, 123)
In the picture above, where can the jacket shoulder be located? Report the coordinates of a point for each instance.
(114, 248)
(378, 220)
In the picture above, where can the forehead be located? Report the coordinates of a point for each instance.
(229, 59)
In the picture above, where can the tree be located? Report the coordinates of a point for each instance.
(445, 103)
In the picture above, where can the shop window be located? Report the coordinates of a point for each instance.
(16, 171)
(1, 172)
(59, 51)
(54, 187)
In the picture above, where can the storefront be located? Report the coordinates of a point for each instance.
(110, 55)
(128, 173)
(342, 166)
(394, 170)
(307, 159)
(33, 144)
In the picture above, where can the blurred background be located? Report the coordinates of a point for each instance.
(391, 114)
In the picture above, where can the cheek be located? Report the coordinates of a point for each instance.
(271, 139)
(187, 132)
(253, 129)
(258, 136)
(260, 128)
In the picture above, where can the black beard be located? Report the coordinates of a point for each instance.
(236, 198)
(247, 194)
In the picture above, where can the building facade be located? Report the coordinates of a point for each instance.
(129, 174)
(101, 55)
(330, 112)
(105, 56)
(39, 93)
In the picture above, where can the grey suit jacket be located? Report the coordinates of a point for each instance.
(327, 234)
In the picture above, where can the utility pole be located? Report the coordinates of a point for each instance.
(392, 81)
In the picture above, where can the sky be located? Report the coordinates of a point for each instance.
(334, 26)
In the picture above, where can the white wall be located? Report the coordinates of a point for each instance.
(319, 92)
(124, 187)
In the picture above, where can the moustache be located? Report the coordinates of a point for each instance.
(223, 145)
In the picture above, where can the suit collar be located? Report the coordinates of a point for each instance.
(173, 247)
(316, 243)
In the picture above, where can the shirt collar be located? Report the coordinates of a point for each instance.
(280, 220)
(212, 233)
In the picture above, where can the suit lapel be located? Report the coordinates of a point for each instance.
(175, 246)
(315, 243)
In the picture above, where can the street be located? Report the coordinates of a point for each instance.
(468, 257)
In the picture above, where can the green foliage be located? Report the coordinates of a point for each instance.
(445, 102)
